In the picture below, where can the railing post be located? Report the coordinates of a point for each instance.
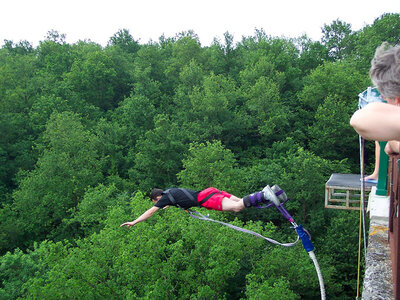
(381, 187)
(394, 224)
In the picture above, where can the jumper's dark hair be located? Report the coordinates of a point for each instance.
(155, 193)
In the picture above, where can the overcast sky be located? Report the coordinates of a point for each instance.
(146, 20)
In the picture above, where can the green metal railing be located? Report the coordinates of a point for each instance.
(381, 187)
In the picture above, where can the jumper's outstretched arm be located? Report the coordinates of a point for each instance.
(147, 214)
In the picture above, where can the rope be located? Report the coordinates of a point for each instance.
(362, 215)
(197, 215)
(319, 274)
(363, 198)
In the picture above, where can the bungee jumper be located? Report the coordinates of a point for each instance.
(210, 198)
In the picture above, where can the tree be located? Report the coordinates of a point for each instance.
(210, 164)
(266, 112)
(54, 57)
(20, 270)
(22, 48)
(191, 76)
(67, 166)
(340, 250)
(149, 74)
(277, 290)
(212, 113)
(15, 270)
(386, 28)
(158, 157)
(11, 230)
(18, 90)
(312, 54)
(340, 81)
(41, 110)
(112, 148)
(136, 113)
(332, 137)
(129, 122)
(123, 39)
(337, 37)
(93, 79)
(123, 64)
(185, 49)
(222, 58)
(91, 212)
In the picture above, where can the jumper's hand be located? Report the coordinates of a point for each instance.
(165, 207)
(128, 224)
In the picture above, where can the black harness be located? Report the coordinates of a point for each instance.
(190, 196)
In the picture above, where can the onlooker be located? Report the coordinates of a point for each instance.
(381, 121)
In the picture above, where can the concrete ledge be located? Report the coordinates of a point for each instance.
(378, 206)
(378, 283)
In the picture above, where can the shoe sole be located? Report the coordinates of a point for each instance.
(270, 195)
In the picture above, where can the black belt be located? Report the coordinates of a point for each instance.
(208, 197)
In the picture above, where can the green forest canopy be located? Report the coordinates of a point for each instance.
(86, 131)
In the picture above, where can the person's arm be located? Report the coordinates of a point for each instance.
(147, 214)
(377, 121)
(392, 148)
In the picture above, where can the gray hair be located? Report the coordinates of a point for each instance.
(385, 70)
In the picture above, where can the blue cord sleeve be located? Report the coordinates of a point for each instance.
(308, 246)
